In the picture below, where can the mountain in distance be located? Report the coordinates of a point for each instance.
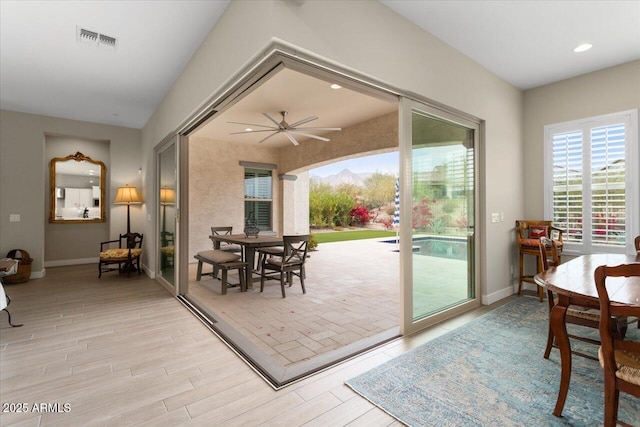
(345, 176)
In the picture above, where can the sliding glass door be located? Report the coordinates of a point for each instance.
(440, 206)
(167, 197)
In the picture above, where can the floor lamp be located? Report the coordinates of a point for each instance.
(167, 197)
(127, 196)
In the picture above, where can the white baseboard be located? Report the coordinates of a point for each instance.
(148, 272)
(38, 274)
(63, 262)
(498, 295)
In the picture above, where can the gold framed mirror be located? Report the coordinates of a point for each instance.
(77, 189)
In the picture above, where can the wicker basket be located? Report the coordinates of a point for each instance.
(24, 266)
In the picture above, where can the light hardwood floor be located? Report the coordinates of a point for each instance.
(121, 351)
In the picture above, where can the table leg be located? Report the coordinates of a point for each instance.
(250, 254)
(559, 329)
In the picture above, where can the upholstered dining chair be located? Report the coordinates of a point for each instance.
(576, 315)
(128, 253)
(289, 265)
(637, 243)
(528, 234)
(619, 357)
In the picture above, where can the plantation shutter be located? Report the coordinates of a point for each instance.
(567, 184)
(592, 182)
(608, 174)
(258, 196)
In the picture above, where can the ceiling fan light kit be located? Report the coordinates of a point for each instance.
(289, 130)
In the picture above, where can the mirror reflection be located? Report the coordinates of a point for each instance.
(77, 189)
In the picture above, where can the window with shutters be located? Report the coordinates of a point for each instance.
(592, 182)
(258, 196)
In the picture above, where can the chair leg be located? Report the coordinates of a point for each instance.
(550, 337)
(282, 283)
(261, 278)
(611, 397)
(99, 270)
(243, 284)
(304, 291)
(521, 273)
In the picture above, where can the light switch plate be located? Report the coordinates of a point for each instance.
(495, 217)
(14, 217)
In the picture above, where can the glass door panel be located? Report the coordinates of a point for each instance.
(167, 214)
(442, 214)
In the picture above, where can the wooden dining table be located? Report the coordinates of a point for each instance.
(249, 246)
(574, 284)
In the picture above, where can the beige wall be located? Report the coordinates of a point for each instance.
(602, 92)
(216, 187)
(23, 171)
(372, 39)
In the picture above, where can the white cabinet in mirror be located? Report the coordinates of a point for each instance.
(77, 189)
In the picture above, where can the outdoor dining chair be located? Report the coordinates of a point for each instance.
(290, 264)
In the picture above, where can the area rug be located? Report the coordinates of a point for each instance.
(490, 372)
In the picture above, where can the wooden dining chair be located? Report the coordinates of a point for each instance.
(637, 243)
(577, 315)
(289, 265)
(619, 357)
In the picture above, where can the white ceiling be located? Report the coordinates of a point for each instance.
(43, 70)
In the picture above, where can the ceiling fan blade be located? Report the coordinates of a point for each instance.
(308, 119)
(273, 120)
(264, 139)
(317, 129)
(309, 135)
(291, 138)
(254, 131)
(252, 124)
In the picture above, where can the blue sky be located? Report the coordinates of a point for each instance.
(384, 163)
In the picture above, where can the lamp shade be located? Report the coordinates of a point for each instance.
(127, 195)
(167, 196)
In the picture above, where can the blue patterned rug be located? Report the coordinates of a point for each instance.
(491, 372)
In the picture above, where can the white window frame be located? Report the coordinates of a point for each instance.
(632, 178)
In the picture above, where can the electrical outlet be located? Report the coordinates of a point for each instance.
(495, 217)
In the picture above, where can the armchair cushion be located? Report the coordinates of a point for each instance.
(119, 253)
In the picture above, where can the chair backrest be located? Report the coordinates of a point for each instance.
(545, 262)
(637, 243)
(221, 231)
(609, 337)
(131, 240)
(166, 238)
(527, 229)
(295, 248)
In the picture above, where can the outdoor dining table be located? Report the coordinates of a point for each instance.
(249, 246)
(574, 284)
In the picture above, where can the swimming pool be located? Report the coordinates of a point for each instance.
(439, 246)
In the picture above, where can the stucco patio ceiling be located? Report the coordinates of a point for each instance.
(301, 96)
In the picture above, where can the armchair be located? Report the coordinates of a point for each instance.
(528, 234)
(128, 252)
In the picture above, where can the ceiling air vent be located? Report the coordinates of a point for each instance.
(94, 38)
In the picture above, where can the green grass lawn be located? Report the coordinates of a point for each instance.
(343, 236)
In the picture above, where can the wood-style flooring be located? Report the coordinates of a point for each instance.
(117, 352)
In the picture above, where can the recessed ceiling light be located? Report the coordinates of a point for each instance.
(248, 130)
(336, 86)
(583, 47)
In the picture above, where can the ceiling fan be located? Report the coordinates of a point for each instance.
(289, 130)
